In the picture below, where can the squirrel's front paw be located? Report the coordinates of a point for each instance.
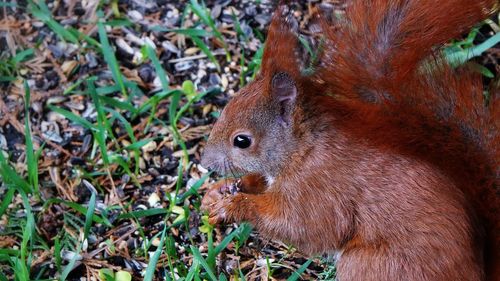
(217, 197)
(218, 211)
(217, 191)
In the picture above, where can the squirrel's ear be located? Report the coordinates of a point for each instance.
(280, 50)
(284, 93)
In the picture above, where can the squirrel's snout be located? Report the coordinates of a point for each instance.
(205, 162)
(213, 160)
(208, 159)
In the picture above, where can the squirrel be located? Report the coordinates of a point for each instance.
(384, 157)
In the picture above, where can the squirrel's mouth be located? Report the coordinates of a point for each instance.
(225, 169)
(229, 173)
(231, 187)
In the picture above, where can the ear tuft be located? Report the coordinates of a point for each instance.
(281, 43)
(284, 93)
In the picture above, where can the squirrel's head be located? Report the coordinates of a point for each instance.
(255, 132)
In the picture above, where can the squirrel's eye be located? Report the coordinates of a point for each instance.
(242, 141)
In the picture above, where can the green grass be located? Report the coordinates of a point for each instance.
(109, 57)
(202, 12)
(127, 118)
(460, 52)
(41, 11)
(110, 160)
(9, 66)
(31, 155)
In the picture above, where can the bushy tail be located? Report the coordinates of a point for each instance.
(381, 41)
(382, 60)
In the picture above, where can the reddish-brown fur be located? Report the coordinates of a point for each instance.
(390, 159)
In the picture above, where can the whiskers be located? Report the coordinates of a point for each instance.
(229, 169)
(226, 170)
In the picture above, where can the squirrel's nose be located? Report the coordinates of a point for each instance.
(205, 163)
(207, 159)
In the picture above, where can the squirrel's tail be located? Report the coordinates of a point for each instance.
(381, 59)
(382, 41)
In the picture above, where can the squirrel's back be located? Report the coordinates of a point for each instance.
(380, 63)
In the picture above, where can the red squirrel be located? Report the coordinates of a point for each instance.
(385, 156)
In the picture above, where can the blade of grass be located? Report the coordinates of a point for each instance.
(243, 234)
(73, 117)
(256, 62)
(143, 213)
(194, 189)
(80, 209)
(21, 270)
(139, 144)
(223, 244)
(206, 50)
(175, 115)
(6, 200)
(107, 90)
(118, 104)
(203, 263)
(125, 165)
(57, 253)
(242, 67)
(296, 275)
(237, 26)
(72, 87)
(160, 72)
(89, 215)
(31, 159)
(172, 117)
(103, 125)
(190, 102)
(109, 57)
(23, 55)
(152, 103)
(70, 266)
(10, 177)
(27, 237)
(198, 32)
(9, 5)
(43, 13)
(126, 124)
(123, 22)
(150, 269)
(195, 268)
(82, 36)
(211, 254)
(173, 199)
(3, 277)
(460, 57)
(202, 13)
(242, 276)
(130, 132)
(7, 78)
